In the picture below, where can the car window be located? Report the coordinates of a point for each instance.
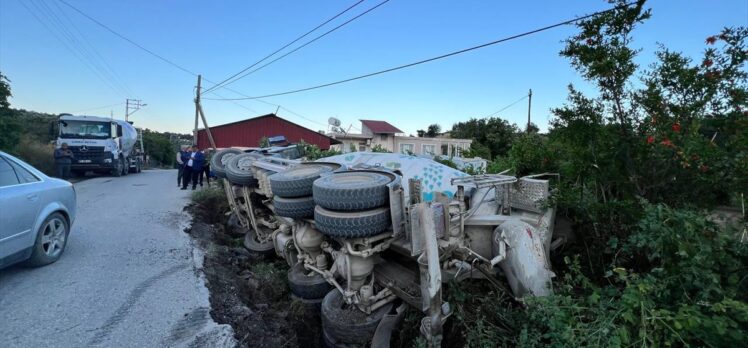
(7, 174)
(24, 176)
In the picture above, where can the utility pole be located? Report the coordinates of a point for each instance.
(134, 105)
(529, 106)
(199, 111)
(197, 107)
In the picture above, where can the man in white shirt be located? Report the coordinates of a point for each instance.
(180, 164)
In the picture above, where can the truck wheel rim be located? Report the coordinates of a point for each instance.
(53, 237)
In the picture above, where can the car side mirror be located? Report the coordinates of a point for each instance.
(119, 131)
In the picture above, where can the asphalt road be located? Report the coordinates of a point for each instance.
(129, 276)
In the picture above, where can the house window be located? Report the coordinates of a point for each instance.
(445, 149)
(383, 137)
(429, 149)
(406, 148)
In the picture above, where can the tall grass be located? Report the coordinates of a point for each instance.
(37, 154)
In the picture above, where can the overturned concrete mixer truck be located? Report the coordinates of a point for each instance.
(372, 233)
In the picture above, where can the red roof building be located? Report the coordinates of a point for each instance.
(378, 127)
(248, 133)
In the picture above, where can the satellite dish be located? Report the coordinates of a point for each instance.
(333, 121)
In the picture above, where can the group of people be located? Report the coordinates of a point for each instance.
(193, 165)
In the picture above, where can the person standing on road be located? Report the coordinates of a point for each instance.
(206, 167)
(180, 163)
(63, 160)
(193, 166)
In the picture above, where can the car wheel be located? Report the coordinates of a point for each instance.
(297, 181)
(346, 325)
(307, 287)
(50, 241)
(351, 191)
(352, 224)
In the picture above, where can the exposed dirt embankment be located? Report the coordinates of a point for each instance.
(248, 292)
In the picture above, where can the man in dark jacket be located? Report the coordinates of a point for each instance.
(63, 160)
(193, 165)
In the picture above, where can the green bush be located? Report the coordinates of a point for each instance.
(530, 155)
(379, 148)
(678, 281)
(312, 152)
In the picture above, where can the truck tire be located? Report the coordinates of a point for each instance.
(297, 208)
(117, 167)
(354, 224)
(219, 159)
(345, 324)
(297, 181)
(312, 287)
(239, 169)
(352, 191)
(261, 249)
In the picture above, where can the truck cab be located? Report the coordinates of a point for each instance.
(99, 144)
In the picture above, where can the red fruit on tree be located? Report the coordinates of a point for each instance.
(711, 40)
(650, 139)
(676, 127)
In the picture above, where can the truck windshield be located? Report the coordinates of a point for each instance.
(85, 129)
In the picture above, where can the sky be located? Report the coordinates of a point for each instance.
(59, 61)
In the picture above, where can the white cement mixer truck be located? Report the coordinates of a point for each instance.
(101, 145)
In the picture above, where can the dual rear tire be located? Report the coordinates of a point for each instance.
(352, 204)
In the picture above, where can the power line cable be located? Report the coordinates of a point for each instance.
(282, 48)
(309, 42)
(508, 106)
(92, 47)
(167, 60)
(60, 37)
(98, 108)
(64, 29)
(128, 40)
(430, 59)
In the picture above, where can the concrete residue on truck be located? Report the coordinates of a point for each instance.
(102, 145)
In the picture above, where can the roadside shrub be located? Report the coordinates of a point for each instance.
(498, 165)
(679, 281)
(312, 152)
(379, 148)
(446, 161)
(37, 154)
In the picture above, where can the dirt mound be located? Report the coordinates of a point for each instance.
(248, 292)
